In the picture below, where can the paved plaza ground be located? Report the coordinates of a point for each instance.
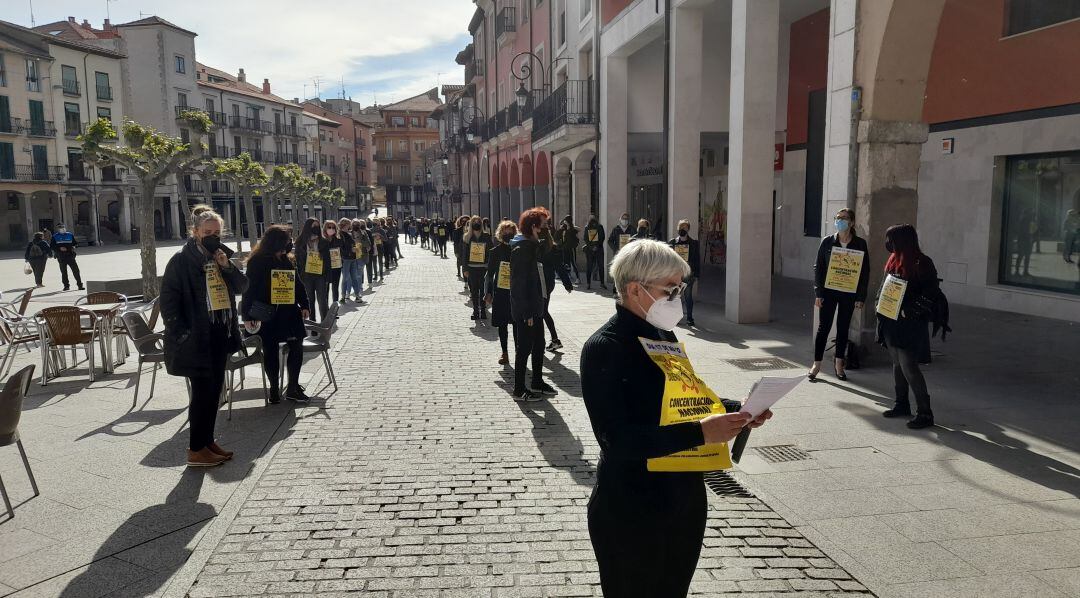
(420, 476)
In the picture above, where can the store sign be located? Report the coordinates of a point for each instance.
(778, 157)
(646, 169)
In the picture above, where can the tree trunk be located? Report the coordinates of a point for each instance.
(185, 208)
(249, 207)
(239, 232)
(147, 248)
(269, 208)
(295, 214)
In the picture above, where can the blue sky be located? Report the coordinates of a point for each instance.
(389, 49)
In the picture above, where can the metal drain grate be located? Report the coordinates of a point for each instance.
(762, 364)
(782, 453)
(722, 484)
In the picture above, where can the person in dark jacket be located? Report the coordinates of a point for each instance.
(554, 265)
(646, 524)
(498, 284)
(594, 251)
(642, 231)
(198, 307)
(350, 287)
(63, 247)
(441, 235)
(336, 252)
(378, 240)
(908, 336)
(690, 251)
(841, 302)
(362, 252)
(280, 308)
(620, 234)
(313, 260)
(459, 251)
(37, 255)
(528, 299)
(476, 244)
(569, 238)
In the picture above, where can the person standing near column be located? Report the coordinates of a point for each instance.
(594, 251)
(620, 234)
(498, 284)
(63, 247)
(198, 307)
(642, 231)
(313, 260)
(835, 297)
(569, 239)
(907, 335)
(528, 295)
(37, 255)
(690, 251)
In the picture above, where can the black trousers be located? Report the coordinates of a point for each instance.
(37, 264)
(647, 547)
(504, 336)
(442, 247)
(570, 260)
(69, 262)
(315, 286)
(476, 287)
(550, 321)
(842, 306)
(594, 260)
(335, 282)
(206, 391)
(294, 360)
(528, 342)
(907, 377)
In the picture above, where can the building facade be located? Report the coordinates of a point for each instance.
(399, 146)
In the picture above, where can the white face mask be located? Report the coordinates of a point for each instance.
(663, 314)
(624, 222)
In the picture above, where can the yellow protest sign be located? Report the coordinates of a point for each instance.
(477, 252)
(282, 287)
(217, 292)
(427, 229)
(594, 235)
(623, 240)
(891, 297)
(686, 399)
(683, 250)
(442, 232)
(503, 281)
(358, 249)
(335, 257)
(845, 265)
(314, 263)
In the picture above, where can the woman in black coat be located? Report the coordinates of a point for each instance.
(498, 284)
(275, 307)
(38, 252)
(334, 250)
(198, 307)
(476, 264)
(830, 301)
(313, 261)
(528, 300)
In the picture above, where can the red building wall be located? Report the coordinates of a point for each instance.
(609, 9)
(807, 71)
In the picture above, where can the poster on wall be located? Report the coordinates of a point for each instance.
(713, 224)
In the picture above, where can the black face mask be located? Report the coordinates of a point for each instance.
(288, 247)
(592, 222)
(642, 231)
(478, 227)
(211, 243)
(889, 246)
(683, 232)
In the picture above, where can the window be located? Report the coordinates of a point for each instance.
(3, 72)
(389, 148)
(586, 8)
(181, 99)
(295, 153)
(69, 80)
(1026, 15)
(101, 81)
(185, 136)
(403, 146)
(33, 82)
(72, 122)
(210, 105)
(76, 169)
(1041, 222)
(37, 117)
(397, 121)
(562, 27)
(236, 110)
(403, 172)
(181, 64)
(7, 165)
(105, 113)
(236, 145)
(414, 121)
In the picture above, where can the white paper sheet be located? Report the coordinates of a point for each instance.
(767, 391)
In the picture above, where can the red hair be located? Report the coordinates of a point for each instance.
(531, 219)
(904, 259)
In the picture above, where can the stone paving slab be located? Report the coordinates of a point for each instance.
(422, 477)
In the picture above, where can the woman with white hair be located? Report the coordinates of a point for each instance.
(647, 511)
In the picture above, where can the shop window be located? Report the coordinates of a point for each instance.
(1026, 15)
(1041, 222)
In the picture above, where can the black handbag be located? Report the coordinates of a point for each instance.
(263, 312)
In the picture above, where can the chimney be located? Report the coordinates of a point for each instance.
(106, 26)
(241, 77)
(266, 86)
(71, 20)
(296, 100)
(86, 23)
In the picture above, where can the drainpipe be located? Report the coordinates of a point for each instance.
(596, 73)
(667, 98)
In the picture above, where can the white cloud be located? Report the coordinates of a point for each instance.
(290, 43)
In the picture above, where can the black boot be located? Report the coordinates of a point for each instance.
(900, 409)
(922, 420)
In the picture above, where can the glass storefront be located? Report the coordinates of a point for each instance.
(1041, 222)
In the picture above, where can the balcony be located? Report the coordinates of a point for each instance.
(104, 92)
(506, 23)
(73, 129)
(285, 130)
(194, 185)
(217, 151)
(474, 69)
(41, 128)
(220, 187)
(392, 156)
(70, 86)
(10, 126)
(361, 143)
(77, 172)
(216, 118)
(33, 173)
(361, 163)
(568, 115)
(109, 174)
(251, 125)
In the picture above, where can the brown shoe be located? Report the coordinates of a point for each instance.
(204, 458)
(505, 359)
(220, 451)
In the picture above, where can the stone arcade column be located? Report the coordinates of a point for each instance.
(561, 205)
(614, 188)
(582, 179)
(684, 136)
(125, 215)
(174, 214)
(754, 47)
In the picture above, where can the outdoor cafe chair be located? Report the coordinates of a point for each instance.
(317, 341)
(105, 298)
(148, 345)
(11, 400)
(251, 353)
(15, 312)
(14, 336)
(61, 327)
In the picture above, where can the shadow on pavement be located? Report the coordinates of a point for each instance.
(561, 449)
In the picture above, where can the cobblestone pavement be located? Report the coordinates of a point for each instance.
(421, 477)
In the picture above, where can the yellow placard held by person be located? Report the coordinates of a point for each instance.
(623, 240)
(845, 266)
(282, 287)
(314, 263)
(686, 399)
(683, 250)
(477, 252)
(358, 249)
(427, 229)
(503, 281)
(891, 297)
(217, 292)
(335, 257)
(594, 235)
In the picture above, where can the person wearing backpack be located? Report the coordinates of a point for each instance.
(38, 253)
(907, 336)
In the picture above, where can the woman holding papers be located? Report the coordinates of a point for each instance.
(910, 277)
(840, 279)
(647, 512)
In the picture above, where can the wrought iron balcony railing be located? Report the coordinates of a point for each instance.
(573, 103)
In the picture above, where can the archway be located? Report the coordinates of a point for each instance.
(111, 216)
(499, 203)
(513, 205)
(585, 193)
(542, 182)
(563, 201)
(484, 187)
(528, 193)
(14, 219)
